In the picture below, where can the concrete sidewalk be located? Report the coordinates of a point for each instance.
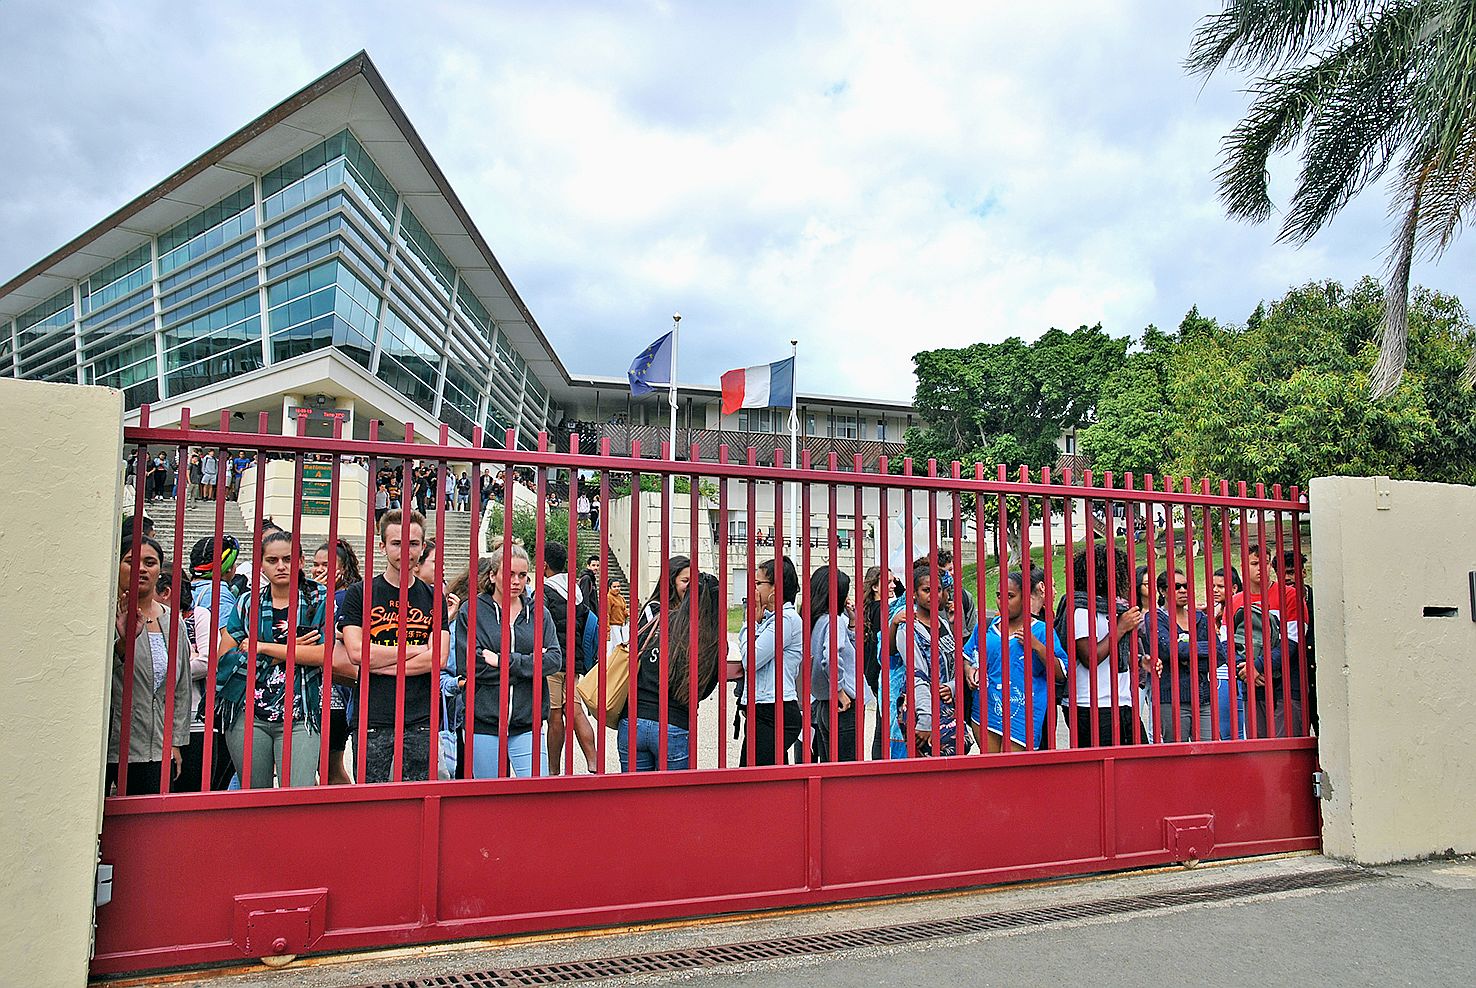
(1408, 924)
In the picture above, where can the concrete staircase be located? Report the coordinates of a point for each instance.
(199, 522)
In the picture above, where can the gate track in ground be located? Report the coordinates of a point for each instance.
(718, 955)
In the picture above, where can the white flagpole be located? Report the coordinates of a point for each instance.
(794, 534)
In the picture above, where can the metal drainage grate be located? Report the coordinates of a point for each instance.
(676, 961)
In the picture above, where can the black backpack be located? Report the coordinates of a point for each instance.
(571, 640)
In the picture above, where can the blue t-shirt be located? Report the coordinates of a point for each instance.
(993, 681)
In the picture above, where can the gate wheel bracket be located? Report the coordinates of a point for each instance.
(277, 926)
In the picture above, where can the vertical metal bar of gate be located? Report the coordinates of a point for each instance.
(1070, 608)
(251, 611)
(1301, 591)
(1226, 628)
(960, 692)
(1193, 699)
(604, 632)
(909, 597)
(466, 764)
(886, 703)
(294, 572)
(168, 742)
(1007, 704)
(572, 632)
(637, 619)
(330, 611)
(750, 672)
(1170, 731)
(406, 574)
(1211, 674)
(722, 542)
(438, 604)
(538, 758)
(935, 671)
(1269, 680)
(1155, 659)
(858, 558)
(780, 754)
(694, 643)
(663, 617)
(1135, 679)
(1281, 603)
(1048, 553)
(1108, 514)
(504, 566)
(802, 539)
(371, 535)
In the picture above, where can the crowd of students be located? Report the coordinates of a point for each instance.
(1124, 660)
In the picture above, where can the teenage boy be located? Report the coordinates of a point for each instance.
(556, 590)
(1284, 604)
(400, 540)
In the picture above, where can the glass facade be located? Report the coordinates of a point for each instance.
(319, 252)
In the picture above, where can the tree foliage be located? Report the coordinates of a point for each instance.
(1009, 402)
(1360, 87)
(1285, 398)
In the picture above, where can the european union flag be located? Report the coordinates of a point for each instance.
(652, 364)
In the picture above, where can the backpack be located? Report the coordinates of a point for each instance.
(1067, 637)
(1266, 649)
(571, 640)
(589, 640)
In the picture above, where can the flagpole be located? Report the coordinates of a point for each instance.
(793, 445)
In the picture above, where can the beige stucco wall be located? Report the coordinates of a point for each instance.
(1394, 687)
(282, 493)
(61, 445)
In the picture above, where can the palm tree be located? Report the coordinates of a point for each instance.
(1360, 86)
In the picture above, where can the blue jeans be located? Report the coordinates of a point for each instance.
(648, 736)
(486, 753)
(1224, 700)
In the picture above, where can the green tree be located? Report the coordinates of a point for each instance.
(1286, 398)
(1135, 421)
(1009, 402)
(1361, 86)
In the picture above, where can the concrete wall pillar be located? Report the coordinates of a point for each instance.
(59, 559)
(1396, 648)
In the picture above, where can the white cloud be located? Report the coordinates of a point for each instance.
(874, 179)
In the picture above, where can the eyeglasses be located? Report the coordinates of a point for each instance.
(762, 583)
(1181, 586)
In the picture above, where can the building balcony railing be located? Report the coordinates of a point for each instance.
(650, 437)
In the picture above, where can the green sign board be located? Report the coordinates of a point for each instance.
(316, 488)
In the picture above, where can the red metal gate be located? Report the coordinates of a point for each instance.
(204, 877)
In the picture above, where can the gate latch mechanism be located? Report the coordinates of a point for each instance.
(1321, 785)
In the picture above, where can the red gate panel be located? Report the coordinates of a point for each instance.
(422, 862)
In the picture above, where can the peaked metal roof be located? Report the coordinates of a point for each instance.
(353, 94)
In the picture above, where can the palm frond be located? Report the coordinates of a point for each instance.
(1357, 127)
(1271, 124)
(1266, 35)
(1388, 370)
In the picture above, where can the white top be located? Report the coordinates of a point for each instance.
(1101, 678)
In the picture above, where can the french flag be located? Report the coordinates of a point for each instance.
(764, 386)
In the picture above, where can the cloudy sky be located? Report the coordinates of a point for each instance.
(871, 178)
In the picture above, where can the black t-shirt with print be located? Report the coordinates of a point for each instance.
(383, 629)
